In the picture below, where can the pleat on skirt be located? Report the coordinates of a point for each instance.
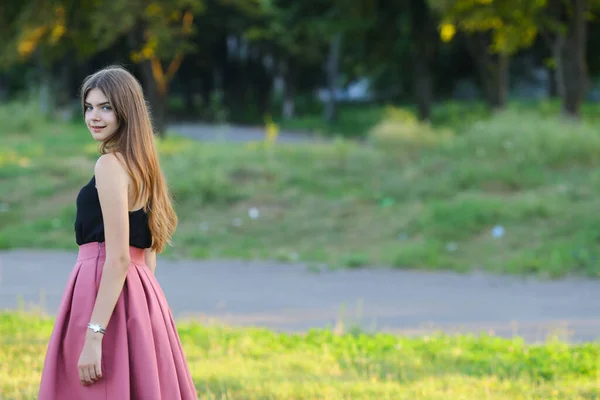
(142, 356)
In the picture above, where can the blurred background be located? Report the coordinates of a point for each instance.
(385, 148)
(418, 134)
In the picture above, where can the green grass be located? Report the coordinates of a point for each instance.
(412, 197)
(257, 364)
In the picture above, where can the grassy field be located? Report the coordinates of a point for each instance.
(515, 193)
(253, 364)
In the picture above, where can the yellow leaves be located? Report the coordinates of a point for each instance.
(29, 42)
(447, 31)
(33, 36)
(148, 51)
(188, 18)
(529, 34)
(57, 32)
(511, 38)
(271, 131)
(512, 24)
(59, 28)
(154, 10)
(481, 24)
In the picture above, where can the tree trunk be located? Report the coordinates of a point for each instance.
(559, 74)
(4, 88)
(189, 91)
(554, 41)
(289, 105)
(333, 66)
(493, 71)
(424, 39)
(497, 82)
(263, 89)
(289, 92)
(423, 85)
(156, 99)
(573, 59)
(44, 84)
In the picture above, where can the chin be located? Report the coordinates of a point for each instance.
(99, 137)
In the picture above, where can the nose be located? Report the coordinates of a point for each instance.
(92, 115)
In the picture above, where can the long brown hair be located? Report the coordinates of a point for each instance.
(134, 140)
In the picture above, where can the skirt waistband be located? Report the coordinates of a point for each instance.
(98, 249)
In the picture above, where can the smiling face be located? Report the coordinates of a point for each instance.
(100, 117)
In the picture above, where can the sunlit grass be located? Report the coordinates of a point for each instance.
(228, 363)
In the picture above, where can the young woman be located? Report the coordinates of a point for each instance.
(114, 336)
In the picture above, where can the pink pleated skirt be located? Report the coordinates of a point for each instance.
(142, 357)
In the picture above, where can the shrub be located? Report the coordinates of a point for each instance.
(400, 130)
(522, 138)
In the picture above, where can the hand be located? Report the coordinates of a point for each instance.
(89, 364)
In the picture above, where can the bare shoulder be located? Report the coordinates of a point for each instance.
(109, 168)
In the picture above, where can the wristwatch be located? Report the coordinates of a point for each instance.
(96, 328)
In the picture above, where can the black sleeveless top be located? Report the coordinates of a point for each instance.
(89, 224)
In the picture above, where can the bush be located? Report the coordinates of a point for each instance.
(523, 138)
(400, 130)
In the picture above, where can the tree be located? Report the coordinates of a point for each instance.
(494, 31)
(157, 32)
(291, 32)
(564, 28)
(423, 50)
(34, 30)
(308, 34)
(400, 51)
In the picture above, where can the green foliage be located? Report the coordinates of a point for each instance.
(54, 28)
(256, 364)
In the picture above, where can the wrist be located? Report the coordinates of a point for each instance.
(93, 336)
(95, 332)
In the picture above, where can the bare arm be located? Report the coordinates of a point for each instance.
(112, 183)
(150, 256)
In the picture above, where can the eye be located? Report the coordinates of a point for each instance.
(88, 108)
(107, 108)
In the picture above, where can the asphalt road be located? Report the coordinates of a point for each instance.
(295, 298)
(234, 133)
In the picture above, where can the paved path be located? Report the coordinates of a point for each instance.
(234, 133)
(292, 298)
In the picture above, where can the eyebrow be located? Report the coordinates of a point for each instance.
(100, 104)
